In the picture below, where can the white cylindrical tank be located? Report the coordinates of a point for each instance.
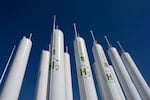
(85, 78)
(117, 82)
(100, 83)
(57, 77)
(106, 78)
(136, 76)
(68, 79)
(15, 77)
(124, 78)
(42, 82)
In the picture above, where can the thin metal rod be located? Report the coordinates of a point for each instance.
(109, 45)
(75, 30)
(120, 46)
(6, 67)
(49, 47)
(30, 36)
(57, 27)
(67, 49)
(92, 33)
(54, 23)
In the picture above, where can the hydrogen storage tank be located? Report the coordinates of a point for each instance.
(124, 78)
(68, 79)
(15, 76)
(117, 81)
(135, 74)
(101, 84)
(104, 75)
(57, 75)
(85, 78)
(42, 81)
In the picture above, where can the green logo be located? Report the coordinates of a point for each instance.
(82, 59)
(84, 71)
(54, 66)
(105, 64)
(109, 76)
(54, 51)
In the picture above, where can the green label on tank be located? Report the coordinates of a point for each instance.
(53, 46)
(54, 65)
(105, 64)
(82, 58)
(84, 71)
(109, 76)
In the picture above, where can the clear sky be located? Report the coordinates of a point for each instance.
(125, 20)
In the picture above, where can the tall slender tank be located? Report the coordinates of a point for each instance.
(42, 82)
(101, 84)
(15, 76)
(106, 77)
(57, 74)
(85, 78)
(135, 74)
(68, 79)
(124, 78)
(117, 81)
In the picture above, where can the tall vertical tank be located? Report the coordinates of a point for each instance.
(124, 78)
(15, 77)
(85, 78)
(105, 78)
(101, 84)
(135, 74)
(57, 75)
(68, 79)
(42, 82)
(117, 81)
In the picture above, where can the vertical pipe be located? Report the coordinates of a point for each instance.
(117, 82)
(42, 82)
(15, 77)
(68, 79)
(85, 77)
(57, 75)
(101, 84)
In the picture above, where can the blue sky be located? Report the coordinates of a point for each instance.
(124, 20)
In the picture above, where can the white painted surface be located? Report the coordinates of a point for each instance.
(57, 75)
(124, 78)
(42, 82)
(136, 76)
(15, 77)
(85, 78)
(68, 79)
(104, 75)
